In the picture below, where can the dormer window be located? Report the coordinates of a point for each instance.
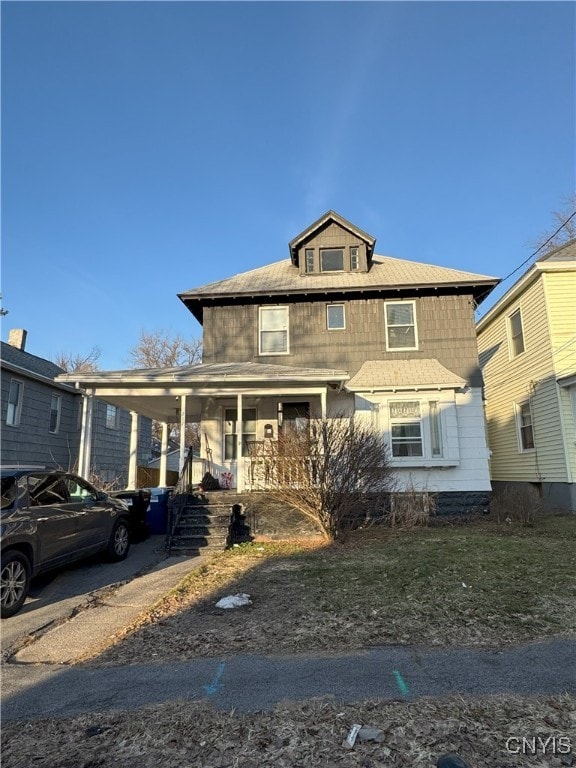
(332, 259)
(354, 263)
(309, 259)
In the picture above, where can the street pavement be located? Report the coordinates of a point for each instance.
(252, 683)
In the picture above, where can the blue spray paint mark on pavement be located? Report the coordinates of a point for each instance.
(215, 685)
(402, 687)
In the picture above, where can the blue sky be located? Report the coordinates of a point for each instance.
(148, 148)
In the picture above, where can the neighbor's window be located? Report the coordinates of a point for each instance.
(55, 412)
(14, 405)
(112, 416)
(332, 259)
(230, 432)
(354, 263)
(401, 325)
(524, 426)
(335, 319)
(406, 428)
(273, 330)
(309, 254)
(516, 333)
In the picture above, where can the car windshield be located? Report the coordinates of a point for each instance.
(8, 492)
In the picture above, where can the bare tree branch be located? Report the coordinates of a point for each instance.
(158, 349)
(78, 363)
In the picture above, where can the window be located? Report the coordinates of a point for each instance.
(332, 259)
(516, 333)
(47, 490)
(273, 330)
(14, 405)
(309, 259)
(405, 428)
(524, 426)
(230, 434)
(435, 429)
(354, 264)
(112, 416)
(401, 325)
(79, 489)
(335, 319)
(55, 411)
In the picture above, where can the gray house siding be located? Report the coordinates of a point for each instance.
(31, 441)
(111, 447)
(445, 332)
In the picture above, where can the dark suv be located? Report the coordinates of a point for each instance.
(50, 518)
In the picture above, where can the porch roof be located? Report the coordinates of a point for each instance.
(152, 391)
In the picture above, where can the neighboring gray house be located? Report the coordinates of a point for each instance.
(41, 419)
(332, 329)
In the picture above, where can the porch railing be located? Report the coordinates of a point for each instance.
(263, 472)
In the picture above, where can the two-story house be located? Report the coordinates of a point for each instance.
(527, 344)
(41, 420)
(332, 329)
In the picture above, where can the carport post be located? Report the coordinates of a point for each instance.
(84, 454)
(182, 432)
(163, 456)
(133, 463)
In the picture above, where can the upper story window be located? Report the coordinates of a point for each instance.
(273, 333)
(401, 331)
(309, 255)
(335, 317)
(55, 413)
(14, 404)
(524, 426)
(516, 333)
(354, 262)
(332, 259)
(112, 416)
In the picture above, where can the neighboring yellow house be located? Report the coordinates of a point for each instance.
(527, 346)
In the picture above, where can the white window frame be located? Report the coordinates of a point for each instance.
(519, 426)
(55, 408)
(399, 420)
(14, 407)
(336, 327)
(511, 338)
(387, 327)
(354, 258)
(308, 260)
(230, 429)
(261, 312)
(108, 421)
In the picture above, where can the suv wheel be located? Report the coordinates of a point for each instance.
(119, 543)
(14, 582)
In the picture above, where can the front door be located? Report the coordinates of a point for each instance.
(295, 419)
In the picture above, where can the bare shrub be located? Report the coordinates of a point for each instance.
(337, 473)
(519, 503)
(411, 507)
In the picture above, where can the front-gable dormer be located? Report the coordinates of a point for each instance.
(332, 244)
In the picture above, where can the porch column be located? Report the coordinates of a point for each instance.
(133, 461)
(239, 461)
(85, 452)
(323, 404)
(163, 456)
(182, 432)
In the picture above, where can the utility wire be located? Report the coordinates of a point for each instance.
(540, 248)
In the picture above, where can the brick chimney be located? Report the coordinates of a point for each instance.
(17, 338)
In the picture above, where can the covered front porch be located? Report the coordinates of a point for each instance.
(240, 407)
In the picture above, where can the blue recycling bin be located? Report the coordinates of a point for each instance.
(157, 514)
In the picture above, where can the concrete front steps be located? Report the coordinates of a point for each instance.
(201, 522)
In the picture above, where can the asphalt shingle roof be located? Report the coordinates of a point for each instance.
(32, 363)
(386, 272)
(390, 374)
